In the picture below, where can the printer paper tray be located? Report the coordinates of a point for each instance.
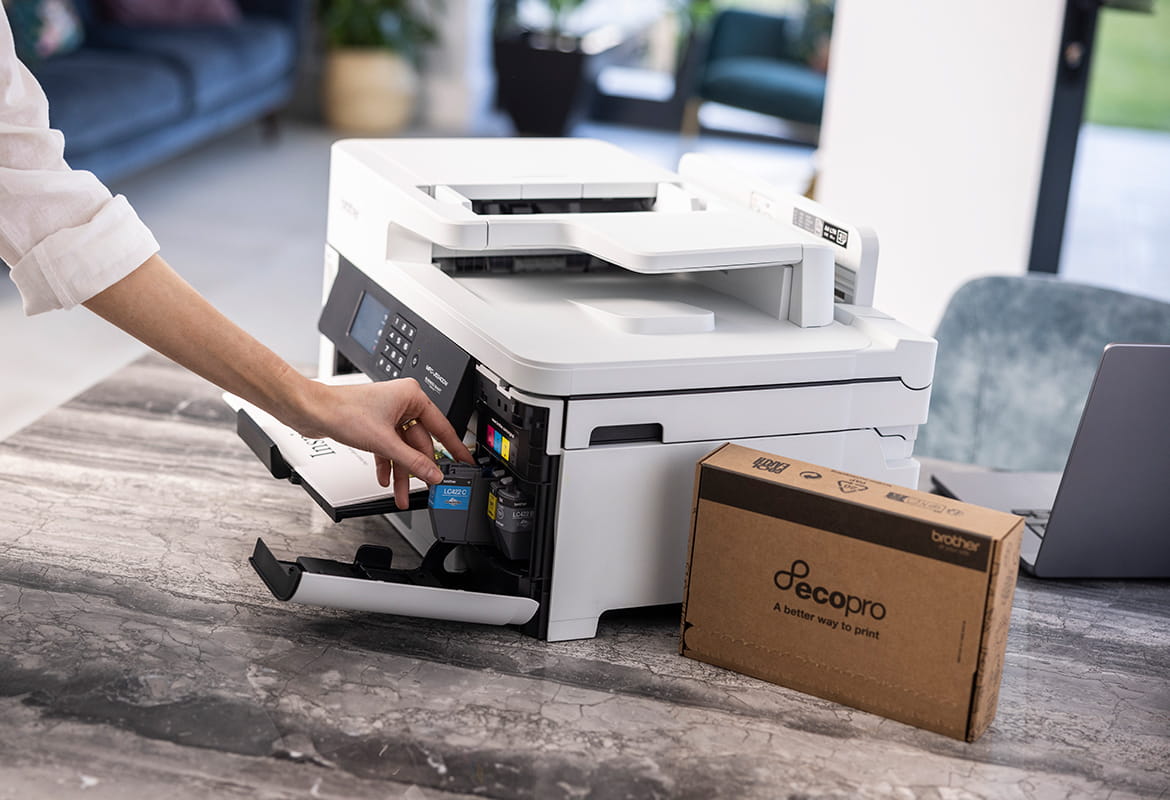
(370, 584)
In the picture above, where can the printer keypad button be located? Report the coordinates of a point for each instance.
(403, 327)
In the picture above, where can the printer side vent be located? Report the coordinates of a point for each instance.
(844, 285)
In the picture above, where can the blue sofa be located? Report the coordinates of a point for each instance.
(133, 96)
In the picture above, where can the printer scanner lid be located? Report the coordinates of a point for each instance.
(452, 192)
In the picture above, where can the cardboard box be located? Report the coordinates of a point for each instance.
(883, 598)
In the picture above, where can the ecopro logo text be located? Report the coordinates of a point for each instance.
(791, 579)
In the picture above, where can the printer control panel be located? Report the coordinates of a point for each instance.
(387, 340)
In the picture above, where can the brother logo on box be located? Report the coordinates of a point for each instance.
(884, 598)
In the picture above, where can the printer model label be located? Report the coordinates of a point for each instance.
(434, 380)
(819, 227)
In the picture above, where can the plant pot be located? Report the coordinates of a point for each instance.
(538, 86)
(368, 91)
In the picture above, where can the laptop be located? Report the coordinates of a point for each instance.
(1108, 514)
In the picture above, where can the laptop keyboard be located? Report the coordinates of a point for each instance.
(1035, 519)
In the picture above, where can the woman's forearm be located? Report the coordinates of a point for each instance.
(394, 420)
(160, 309)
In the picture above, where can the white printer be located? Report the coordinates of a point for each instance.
(597, 325)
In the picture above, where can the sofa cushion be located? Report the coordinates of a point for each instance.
(218, 63)
(110, 95)
(785, 89)
(171, 12)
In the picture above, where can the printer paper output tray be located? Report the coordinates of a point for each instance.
(338, 507)
(370, 583)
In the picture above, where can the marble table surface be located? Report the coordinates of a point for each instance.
(141, 657)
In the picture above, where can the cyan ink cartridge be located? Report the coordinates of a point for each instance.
(513, 519)
(457, 504)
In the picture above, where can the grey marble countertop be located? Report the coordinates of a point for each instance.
(141, 657)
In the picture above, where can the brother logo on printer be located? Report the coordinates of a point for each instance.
(770, 465)
(955, 541)
(790, 579)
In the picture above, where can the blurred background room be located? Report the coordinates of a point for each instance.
(976, 139)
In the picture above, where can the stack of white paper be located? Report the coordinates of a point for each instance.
(341, 476)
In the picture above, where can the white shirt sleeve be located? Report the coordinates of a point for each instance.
(64, 235)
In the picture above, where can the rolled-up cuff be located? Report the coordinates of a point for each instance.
(70, 266)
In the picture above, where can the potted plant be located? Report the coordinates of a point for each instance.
(371, 59)
(538, 70)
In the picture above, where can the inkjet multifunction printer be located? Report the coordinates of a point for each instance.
(597, 325)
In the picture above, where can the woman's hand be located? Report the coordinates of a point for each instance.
(394, 420)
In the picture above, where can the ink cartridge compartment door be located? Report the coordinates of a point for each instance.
(372, 584)
(342, 481)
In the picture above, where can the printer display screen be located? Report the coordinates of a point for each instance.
(369, 322)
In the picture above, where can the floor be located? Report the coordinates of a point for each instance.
(243, 220)
(142, 657)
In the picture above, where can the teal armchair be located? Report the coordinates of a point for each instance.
(759, 62)
(1016, 357)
